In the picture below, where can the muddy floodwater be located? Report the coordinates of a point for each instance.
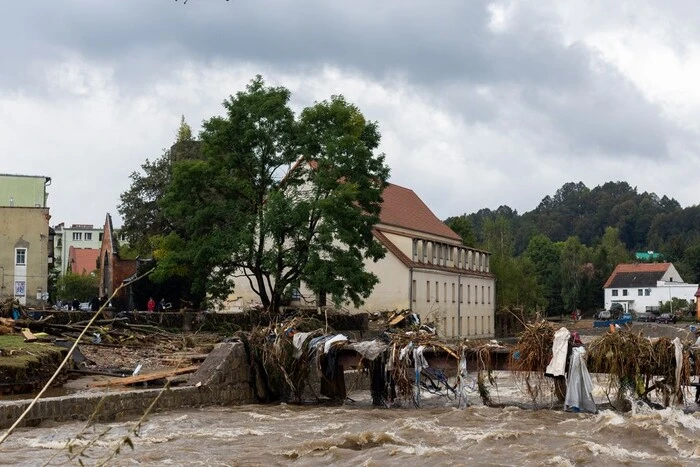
(357, 433)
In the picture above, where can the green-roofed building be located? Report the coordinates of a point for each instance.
(649, 257)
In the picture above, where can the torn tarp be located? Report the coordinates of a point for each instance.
(298, 341)
(369, 349)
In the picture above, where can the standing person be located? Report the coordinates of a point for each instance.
(76, 304)
(151, 306)
(161, 305)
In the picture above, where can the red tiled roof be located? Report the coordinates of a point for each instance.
(656, 270)
(403, 208)
(83, 260)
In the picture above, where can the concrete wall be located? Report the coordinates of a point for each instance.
(23, 190)
(26, 228)
(225, 378)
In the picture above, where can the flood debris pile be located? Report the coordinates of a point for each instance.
(639, 365)
(301, 358)
(630, 365)
(280, 362)
(530, 358)
(11, 308)
(110, 347)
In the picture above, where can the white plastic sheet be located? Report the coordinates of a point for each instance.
(560, 347)
(579, 384)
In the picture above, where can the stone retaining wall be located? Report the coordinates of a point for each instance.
(230, 385)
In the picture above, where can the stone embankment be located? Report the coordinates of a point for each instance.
(222, 379)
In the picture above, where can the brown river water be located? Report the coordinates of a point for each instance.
(357, 433)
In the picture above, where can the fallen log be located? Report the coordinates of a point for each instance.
(146, 378)
(99, 373)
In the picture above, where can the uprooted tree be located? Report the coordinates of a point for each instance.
(275, 198)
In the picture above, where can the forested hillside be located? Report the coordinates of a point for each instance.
(557, 257)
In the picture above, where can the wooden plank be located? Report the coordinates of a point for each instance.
(184, 357)
(396, 320)
(146, 378)
(28, 336)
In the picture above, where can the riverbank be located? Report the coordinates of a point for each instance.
(26, 366)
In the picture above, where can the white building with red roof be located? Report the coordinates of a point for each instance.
(643, 287)
(426, 270)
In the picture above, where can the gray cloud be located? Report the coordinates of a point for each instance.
(561, 98)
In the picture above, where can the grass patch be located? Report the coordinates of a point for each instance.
(20, 361)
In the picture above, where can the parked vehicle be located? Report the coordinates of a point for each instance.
(667, 318)
(646, 317)
(605, 314)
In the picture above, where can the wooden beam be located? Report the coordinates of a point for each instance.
(145, 378)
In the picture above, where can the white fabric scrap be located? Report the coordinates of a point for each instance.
(336, 338)
(369, 349)
(560, 347)
(390, 363)
(579, 385)
(419, 360)
(298, 341)
(679, 360)
(405, 350)
(462, 371)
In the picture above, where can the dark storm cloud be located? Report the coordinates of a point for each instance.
(440, 46)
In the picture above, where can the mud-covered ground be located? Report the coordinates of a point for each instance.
(682, 329)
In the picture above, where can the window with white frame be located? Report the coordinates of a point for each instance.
(614, 293)
(77, 235)
(21, 256)
(88, 235)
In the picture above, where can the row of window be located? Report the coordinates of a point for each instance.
(87, 236)
(442, 254)
(485, 327)
(485, 292)
(640, 292)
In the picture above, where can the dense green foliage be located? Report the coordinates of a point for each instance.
(265, 195)
(82, 287)
(564, 250)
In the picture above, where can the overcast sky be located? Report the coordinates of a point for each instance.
(479, 103)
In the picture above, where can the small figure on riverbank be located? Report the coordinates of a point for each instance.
(151, 305)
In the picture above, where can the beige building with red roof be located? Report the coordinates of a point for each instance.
(643, 287)
(426, 270)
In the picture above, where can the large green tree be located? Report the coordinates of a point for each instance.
(278, 200)
(544, 256)
(82, 287)
(463, 227)
(517, 283)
